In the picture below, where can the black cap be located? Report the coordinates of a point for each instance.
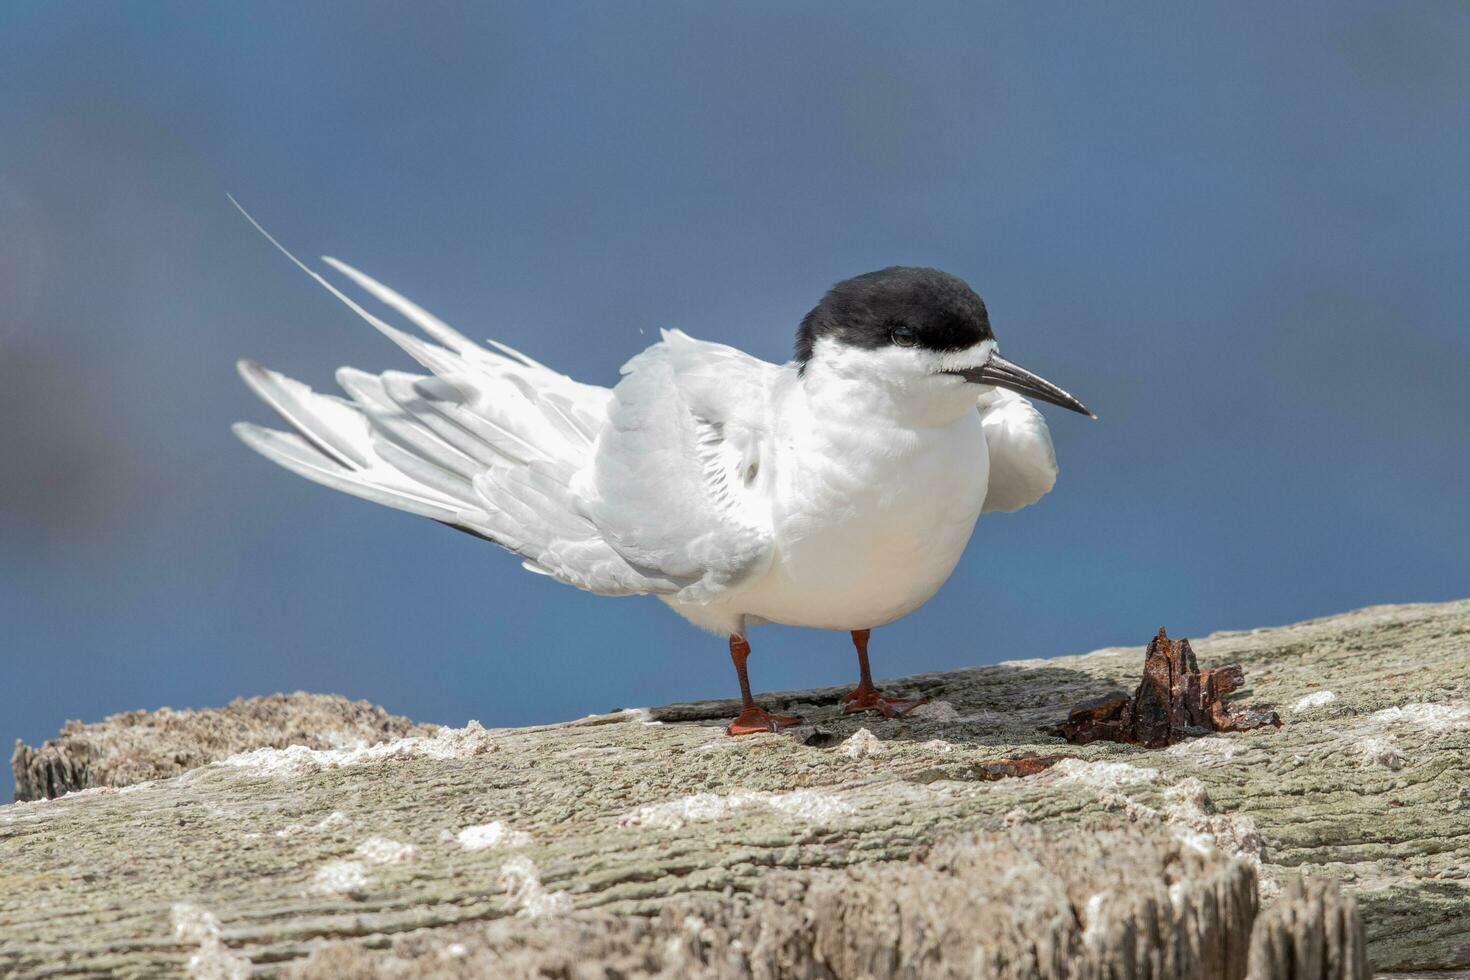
(905, 306)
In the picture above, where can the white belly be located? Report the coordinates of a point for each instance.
(869, 525)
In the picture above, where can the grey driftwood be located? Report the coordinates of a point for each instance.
(646, 843)
(137, 746)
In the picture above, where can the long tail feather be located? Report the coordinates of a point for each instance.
(490, 444)
(300, 457)
(325, 422)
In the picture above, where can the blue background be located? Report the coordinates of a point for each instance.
(1241, 233)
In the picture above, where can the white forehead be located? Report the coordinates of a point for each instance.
(970, 357)
(831, 354)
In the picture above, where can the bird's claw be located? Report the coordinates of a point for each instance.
(755, 720)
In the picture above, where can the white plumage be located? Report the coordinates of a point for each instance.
(838, 492)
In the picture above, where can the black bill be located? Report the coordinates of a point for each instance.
(1003, 374)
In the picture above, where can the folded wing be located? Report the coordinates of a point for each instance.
(681, 478)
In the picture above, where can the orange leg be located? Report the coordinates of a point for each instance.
(866, 697)
(753, 718)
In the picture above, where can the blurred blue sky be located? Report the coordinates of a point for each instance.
(1240, 232)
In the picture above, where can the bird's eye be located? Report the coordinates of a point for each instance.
(904, 337)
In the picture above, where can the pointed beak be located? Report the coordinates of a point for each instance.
(1003, 374)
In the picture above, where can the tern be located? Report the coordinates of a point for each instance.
(836, 491)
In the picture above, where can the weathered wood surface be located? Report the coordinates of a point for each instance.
(141, 745)
(1013, 905)
(424, 855)
(1313, 931)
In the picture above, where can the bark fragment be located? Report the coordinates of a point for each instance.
(1175, 700)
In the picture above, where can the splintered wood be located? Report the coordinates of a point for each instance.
(1175, 700)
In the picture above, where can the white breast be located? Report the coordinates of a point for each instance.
(871, 519)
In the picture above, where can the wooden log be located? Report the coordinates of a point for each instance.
(848, 843)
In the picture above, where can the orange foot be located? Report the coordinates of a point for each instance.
(861, 700)
(753, 720)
